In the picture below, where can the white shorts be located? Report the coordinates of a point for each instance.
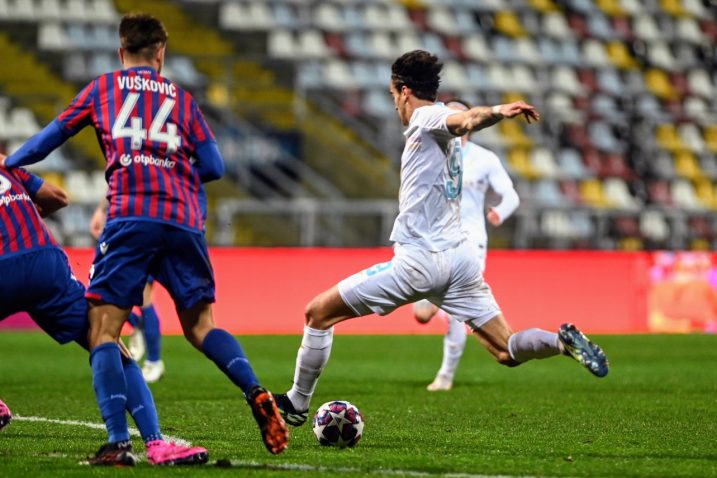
(450, 279)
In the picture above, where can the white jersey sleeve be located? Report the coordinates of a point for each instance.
(501, 183)
(483, 170)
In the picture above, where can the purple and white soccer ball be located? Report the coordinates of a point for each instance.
(338, 423)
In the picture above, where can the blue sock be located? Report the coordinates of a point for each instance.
(224, 350)
(152, 335)
(110, 389)
(134, 320)
(140, 403)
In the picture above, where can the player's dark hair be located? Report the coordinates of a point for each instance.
(459, 101)
(142, 35)
(418, 70)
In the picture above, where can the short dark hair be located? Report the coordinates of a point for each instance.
(142, 34)
(460, 101)
(418, 70)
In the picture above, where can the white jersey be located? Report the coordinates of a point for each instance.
(430, 192)
(482, 169)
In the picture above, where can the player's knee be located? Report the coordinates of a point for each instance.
(313, 315)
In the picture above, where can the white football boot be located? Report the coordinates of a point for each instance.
(152, 370)
(136, 344)
(440, 383)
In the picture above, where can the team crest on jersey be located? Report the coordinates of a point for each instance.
(5, 184)
(103, 248)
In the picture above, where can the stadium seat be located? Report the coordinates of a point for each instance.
(546, 193)
(618, 195)
(620, 56)
(570, 164)
(51, 36)
(556, 224)
(653, 226)
(555, 25)
(684, 196)
(591, 192)
(544, 163)
(49, 10)
(706, 193)
(686, 166)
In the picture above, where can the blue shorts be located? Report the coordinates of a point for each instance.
(41, 283)
(129, 251)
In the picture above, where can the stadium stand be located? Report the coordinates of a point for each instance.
(625, 157)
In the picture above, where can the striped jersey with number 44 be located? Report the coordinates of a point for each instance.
(149, 129)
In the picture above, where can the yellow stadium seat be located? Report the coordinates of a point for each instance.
(711, 137)
(592, 193)
(620, 56)
(668, 139)
(611, 7)
(54, 178)
(508, 23)
(706, 193)
(513, 133)
(687, 166)
(543, 6)
(673, 7)
(519, 160)
(659, 83)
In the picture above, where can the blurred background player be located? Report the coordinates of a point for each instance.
(146, 334)
(38, 280)
(432, 258)
(159, 149)
(482, 170)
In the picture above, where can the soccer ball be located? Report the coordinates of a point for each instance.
(338, 423)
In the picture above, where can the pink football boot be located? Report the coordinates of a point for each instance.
(160, 452)
(5, 415)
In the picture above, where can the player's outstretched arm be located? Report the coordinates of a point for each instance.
(38, 147)
(50, 198)
(480, 117)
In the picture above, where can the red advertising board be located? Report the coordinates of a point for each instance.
(264, 291)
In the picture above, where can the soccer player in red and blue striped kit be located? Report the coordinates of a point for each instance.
(38, 280)
(159, 149)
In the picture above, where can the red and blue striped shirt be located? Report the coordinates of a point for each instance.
(148, 129)
(21, 227)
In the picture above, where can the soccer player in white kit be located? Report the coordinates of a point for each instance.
(482, 169)
(432, 258)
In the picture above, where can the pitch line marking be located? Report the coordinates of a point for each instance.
(280, 466)
(95, 426)
(348, 469)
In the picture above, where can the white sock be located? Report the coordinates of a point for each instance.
(453, 344)
(310, 361)
(533, 344)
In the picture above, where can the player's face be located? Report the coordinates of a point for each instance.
(400, 102)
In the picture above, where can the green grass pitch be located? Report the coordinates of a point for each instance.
(655, 414)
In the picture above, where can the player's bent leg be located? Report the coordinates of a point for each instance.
(494, 335)
(108, 378)
(325, 310)
(226, 352)
(579, 347)
(5, 415)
